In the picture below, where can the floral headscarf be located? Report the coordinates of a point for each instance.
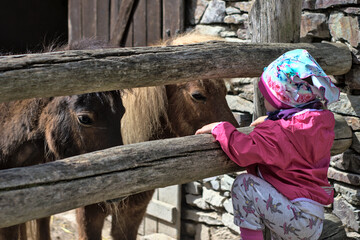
(284, 86)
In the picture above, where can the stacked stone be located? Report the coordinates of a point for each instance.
(344, 172)
(228, 19)
(207, 211)
(338, 20)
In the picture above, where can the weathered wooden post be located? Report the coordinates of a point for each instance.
(273, 21)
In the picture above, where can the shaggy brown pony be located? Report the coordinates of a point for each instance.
(41, 130)
(160, 112)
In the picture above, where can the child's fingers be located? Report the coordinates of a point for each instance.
(258, 121)
(206, 128)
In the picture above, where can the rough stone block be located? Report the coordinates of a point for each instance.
(228, 34)
(349, 215)
(193, 188)
(347, 105)
(244, 90)
(356, 142)
(213, 198)
(214, 13)
(227, 194)
(226, 182)
(209, 179)
(197, 201)
(215, 184)
(210, 218)
(350, 193)
(353, 122)
(333, 228)
(194, 10)
(244, 6)
(344, 28)
(232, 10)
(352, 78)
(352, 10)
(229, 206)
(243, 34)
(322, 4)
(349, 178)
(228, 221)
(314, 25)
(353, 235)
(237, 103)
(201, 5)
(236, 18)
(223, 233)
(308, 4)
(348, 161)
(210, 30)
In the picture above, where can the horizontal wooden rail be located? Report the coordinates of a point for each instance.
(76, 72)
(38, 191)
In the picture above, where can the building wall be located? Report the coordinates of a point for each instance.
(207, 209)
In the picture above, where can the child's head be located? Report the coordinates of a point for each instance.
(295, 79)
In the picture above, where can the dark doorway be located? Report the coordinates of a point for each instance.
(29, 25)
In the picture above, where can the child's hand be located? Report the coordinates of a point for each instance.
(258, 121)
(206, 128)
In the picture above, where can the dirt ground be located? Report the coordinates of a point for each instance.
(63, 227)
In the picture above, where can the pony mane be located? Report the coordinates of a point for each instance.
(146, 107)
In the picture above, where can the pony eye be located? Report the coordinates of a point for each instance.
(84, 119)
(198, 96)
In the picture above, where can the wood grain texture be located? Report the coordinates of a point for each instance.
(275, 21)
(103, 19)
(140, 26)
(122, 20)
(173, 18)
(74, 12)
(153, 20)
(81, 71)
(50, 188)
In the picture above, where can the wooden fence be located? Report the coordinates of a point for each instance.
(37, 191)
(76, 72)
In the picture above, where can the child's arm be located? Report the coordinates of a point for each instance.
(260, 146)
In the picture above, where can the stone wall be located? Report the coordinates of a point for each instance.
(207, 209)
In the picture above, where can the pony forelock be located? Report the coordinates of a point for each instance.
(146, 108)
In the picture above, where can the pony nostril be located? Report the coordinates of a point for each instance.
(85, 119)
(198, 96)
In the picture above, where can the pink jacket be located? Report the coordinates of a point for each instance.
(292, 155)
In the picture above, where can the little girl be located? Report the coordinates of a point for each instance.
(287, 154)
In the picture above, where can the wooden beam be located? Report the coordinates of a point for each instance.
(37, 191)
(126, 10)
(81, 71)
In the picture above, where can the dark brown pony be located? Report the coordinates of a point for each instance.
(36, 131)
(156, 113)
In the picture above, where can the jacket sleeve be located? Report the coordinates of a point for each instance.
(261, 146)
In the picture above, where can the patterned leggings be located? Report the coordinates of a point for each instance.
(256, 203)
